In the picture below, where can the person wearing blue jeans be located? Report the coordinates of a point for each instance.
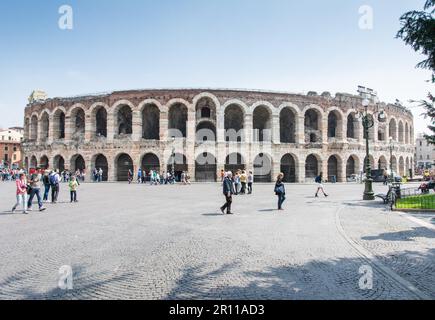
(46, 181)
(35, 190)
(280, 190)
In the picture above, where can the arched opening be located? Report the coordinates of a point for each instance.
(382, 163)
(288, 167)
(262, 168)
(102, 163)
(234, 123)
(334, 124)
(45, 126)
(311, 167)
(393, 129)
(59, 125)
(333, 169)
(206, 109)
(77, 163)
(205, 168)
(406, 133)
(101, 122)
(151, 122)
(351, 167)
(34, 128)
(26, 163)
(177, 120)
(125, 121)
(313, 133)
(33, 162)
(371, 130)
(150, 162)
(78, 124)
(401, 132)
(381, 135)
(59, 163)
(234, 162)
(407, 167)
(44, 163)
(27, 129)
(205, 131)
(287, 126)
(124, 163)
(351, 126)
(179, 163)
(262, 124)
(394, 164)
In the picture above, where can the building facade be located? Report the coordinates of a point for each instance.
(10, 147)
(205, 131)
(424, 153)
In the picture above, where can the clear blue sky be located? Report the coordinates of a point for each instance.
(284, 45)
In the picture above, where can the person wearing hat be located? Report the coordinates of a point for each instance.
(228, 190)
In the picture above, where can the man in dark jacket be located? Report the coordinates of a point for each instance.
(228, 190)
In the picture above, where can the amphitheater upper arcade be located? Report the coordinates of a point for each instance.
(302, 132)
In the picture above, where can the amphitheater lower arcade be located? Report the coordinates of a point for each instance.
(203, 132)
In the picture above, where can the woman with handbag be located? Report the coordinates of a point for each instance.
(280, 190)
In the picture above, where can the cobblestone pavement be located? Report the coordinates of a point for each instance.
(171, 242)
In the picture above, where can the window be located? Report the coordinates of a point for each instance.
(421, 143)
(6, 157)
(15, 149)
(6, 148)
(15, 157)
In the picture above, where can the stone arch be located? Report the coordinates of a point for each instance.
(150, 121)
(124, 120)
(78, 122)
(27, 128)
(407, 166)
(34, 127)
(394, 163)
(263, 168)
(99, 161)
(287, 125)
(150, 161)
(289, 167)
(99, 119)
(401, 132)
(59, 123)
(59, 163)
(392, 129)
(262, 123)
(205, 167)
(205, 131)
(406, 133)
(352, 166)
(123, 163)
(335, 123)
(234, 123)
(206, 107)
(44, 163)
(401, 166)
(334, 168)
(177, 120)
(45, 126)
(313, 124)
(77, 163)
(234, 162)
(313, 166)
(33, 162)
(382, 163)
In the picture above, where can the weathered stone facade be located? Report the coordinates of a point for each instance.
(300, 135)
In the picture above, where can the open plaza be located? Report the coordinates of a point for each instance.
(135, 241)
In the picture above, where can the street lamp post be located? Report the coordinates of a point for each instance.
(173, 159)
(368, 122)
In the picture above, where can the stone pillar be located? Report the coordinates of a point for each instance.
(163, 126)
(136, 126)
(68, 129)
(300, 130)
(276, 134)
(111, 127)
(248, 126)
(89, 127)
(324, 129)
(300, 170)
(342, 171)
(51, 130)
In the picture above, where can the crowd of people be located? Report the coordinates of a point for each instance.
(45, 186)
(153, 177)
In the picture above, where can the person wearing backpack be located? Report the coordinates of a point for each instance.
(280, 190)
(319, 180)
(54, 183)
(46, 182)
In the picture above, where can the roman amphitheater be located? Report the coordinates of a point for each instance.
(205, 131)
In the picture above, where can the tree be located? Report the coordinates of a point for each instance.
(418, 31)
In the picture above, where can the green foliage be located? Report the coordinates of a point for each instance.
(418, 31)
(417, 202)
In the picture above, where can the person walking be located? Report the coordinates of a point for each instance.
(280, 190)
(21, 193)
(46, 182)
(319, 180)
(35, 191)
(130, 176)
(55, 185)
(243, 181)
(250, 182)
(73, 185)
(237, 183)
(228, 191)
(139, 176)
(100, 175)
